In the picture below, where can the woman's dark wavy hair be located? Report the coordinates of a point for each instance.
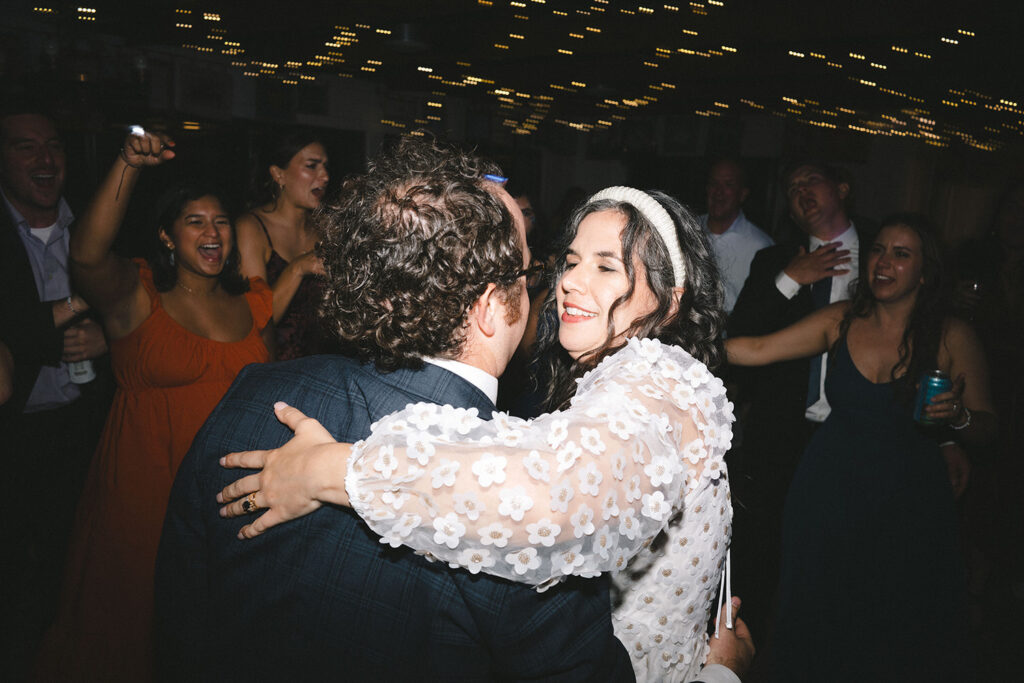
(919, 346)
(697, 324)
(408, 247)
(282, 149)
(168, 208)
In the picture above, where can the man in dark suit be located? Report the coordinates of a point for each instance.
(426, 283)
(49, 424)
(786, 400)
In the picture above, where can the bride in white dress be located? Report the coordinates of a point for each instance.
(626, 476)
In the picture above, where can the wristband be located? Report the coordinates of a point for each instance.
(71, 306)
(125, 160)
(967, 422)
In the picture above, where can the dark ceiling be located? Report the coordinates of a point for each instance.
(944, 73)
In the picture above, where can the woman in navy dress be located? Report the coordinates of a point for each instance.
(871, 586)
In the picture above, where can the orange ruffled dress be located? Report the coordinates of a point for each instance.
(169, 380)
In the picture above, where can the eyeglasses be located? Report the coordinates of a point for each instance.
(534, 274)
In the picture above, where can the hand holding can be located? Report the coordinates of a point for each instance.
(932, 384)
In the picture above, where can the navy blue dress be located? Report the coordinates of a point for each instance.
(872, 587)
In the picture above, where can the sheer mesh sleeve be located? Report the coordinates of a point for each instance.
(579, 491)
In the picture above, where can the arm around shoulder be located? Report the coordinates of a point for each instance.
(578, 491)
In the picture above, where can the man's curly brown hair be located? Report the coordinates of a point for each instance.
(408, 247)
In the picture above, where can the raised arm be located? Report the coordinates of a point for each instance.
(578, 491)
(107, 281)
(808, 336)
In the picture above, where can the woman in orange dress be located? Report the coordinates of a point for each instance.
(180, 327)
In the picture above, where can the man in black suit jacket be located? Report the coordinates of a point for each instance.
(782, 412)
(49, 425)
(426, 282)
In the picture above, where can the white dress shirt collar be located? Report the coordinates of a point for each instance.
(481, 380)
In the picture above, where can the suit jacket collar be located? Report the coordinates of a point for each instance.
(479, 378)
(433, 384)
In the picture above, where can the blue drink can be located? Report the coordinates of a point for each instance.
(932, 383)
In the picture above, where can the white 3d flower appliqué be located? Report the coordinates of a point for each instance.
(543, 532)
(610, 506)
(386, 463)
(537, 467)
(590, 439)
(490, 469)
(468, 504)
(567, 455)
(604, 540)
(633, 489)
(395, 499)
(444, 474)
(523, 560)
(569, 560)
(448, 530)
(495, 534)
(619, 465)
(419, 447)
(423, 415)
(475, 559)
(583, 521)
(629, 525)
(660, 470)
(655, 506)
(561, 494)
(514, 502)
(401, 529)
(590, 479)
(558, 433)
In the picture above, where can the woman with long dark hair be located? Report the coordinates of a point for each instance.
(181, 326)
(276, 238)
(628, 463)
(871, 585)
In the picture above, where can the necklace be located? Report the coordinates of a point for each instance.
(186, 288)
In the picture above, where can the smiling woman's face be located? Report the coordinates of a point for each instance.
(595, 277)
(201, 237)
(895, 263)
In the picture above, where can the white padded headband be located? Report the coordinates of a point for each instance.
(656, 214)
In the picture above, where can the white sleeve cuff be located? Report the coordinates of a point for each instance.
(717, 673)
(786, 285)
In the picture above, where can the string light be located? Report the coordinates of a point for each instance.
(652, 71)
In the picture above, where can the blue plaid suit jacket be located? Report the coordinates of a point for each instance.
(321, 596)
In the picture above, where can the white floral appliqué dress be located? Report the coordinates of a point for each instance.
(634, 467)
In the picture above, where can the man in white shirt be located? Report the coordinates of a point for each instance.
(734, 239)
(786, 400)
(49, 426)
